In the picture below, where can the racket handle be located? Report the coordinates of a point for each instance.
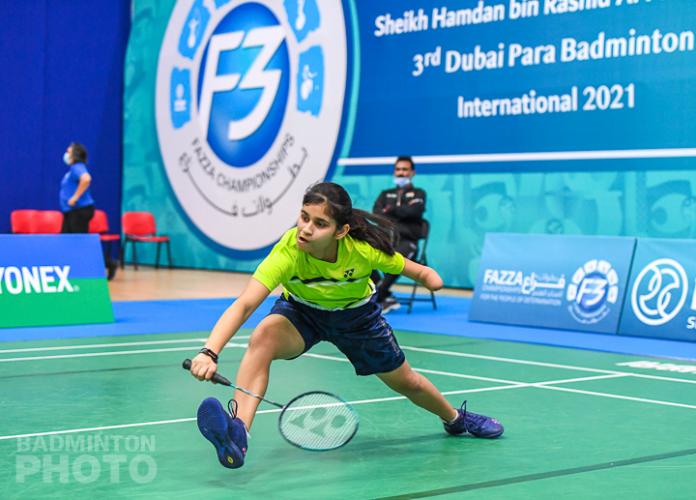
(217, 378)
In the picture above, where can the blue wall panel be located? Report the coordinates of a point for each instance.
(62, 81)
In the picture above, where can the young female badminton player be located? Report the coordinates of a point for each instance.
(324, 266)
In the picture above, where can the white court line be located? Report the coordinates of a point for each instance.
(94, 346)
(511, 383)
(108, 353)
(506, 360)
(617, 396)
(472, 377)
(579, 379)
(541, 385)
(119, 344)
(547, 365)
(93, 429)
(312, 355)
(277, 410)
(320, 356)
(95, 354)
(423, 370)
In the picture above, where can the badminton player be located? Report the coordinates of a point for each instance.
(324, 266)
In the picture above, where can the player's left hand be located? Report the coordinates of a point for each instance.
(432, 281)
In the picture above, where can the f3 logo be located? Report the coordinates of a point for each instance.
(243, 82)
(257, 77)
(593, 289)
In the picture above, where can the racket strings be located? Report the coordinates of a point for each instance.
(318, 421)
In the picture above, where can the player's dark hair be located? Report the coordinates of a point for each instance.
(79, 152)
(364, 226)
(408, 159)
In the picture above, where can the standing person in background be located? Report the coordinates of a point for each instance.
(404, 206)
(76, 200)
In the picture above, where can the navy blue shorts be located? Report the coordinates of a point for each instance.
(362, 334)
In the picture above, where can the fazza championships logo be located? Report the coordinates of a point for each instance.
(249, 100)
(593, 290)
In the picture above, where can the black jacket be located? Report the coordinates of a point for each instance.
(404, 207)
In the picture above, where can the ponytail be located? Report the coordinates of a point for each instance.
(373, 229)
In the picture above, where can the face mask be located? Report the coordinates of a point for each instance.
(402, 181)
(66, 158)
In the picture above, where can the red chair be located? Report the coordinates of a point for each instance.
(48, 222)
(140, 227)
(99, 224)
(22, 221)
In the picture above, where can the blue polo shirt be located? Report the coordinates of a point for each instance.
(68, 186)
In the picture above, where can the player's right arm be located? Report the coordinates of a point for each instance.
(203, 367)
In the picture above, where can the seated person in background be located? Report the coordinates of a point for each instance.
(404, 206)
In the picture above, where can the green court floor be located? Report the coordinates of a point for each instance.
(114, 417)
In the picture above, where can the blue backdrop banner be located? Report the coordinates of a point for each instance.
(570, 282)
(564, 118)
(662, 291)
(497, 78)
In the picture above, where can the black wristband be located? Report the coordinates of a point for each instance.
(209, 353)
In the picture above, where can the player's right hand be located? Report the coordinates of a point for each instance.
(203, 367)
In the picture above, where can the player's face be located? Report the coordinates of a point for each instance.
(316, 229)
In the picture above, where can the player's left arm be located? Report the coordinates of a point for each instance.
(425, 275)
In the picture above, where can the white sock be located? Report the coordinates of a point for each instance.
(453, 420)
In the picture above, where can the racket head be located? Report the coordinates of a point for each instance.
(318, 421)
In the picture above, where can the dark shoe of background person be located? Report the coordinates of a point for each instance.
(111, 267)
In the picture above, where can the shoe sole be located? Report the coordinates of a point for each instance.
(213, 424)
(483, 436)
(491, 436)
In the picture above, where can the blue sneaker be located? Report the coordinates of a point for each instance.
(475, 424)
(224, 430)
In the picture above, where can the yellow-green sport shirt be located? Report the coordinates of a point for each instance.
(336, 285)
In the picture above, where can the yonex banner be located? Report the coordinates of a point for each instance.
(661, 300)
(570, 282)
(52, 280)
